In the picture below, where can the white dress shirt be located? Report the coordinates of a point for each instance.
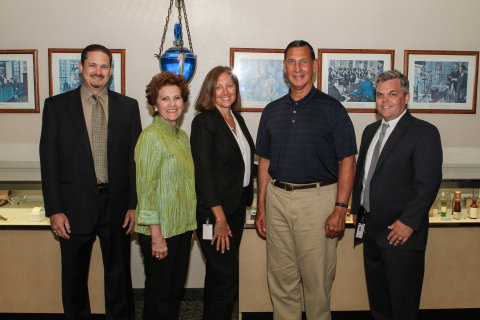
(244, 149)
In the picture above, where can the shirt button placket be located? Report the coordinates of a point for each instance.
(294, 112)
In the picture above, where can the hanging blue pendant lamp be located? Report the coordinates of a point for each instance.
(177, 59)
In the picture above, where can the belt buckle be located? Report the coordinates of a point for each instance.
(289, 187)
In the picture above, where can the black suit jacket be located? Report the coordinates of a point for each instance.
(219, 166)
(68, 173)
(405, 181)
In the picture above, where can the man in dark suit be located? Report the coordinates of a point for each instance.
(397, 179)
(88, 182)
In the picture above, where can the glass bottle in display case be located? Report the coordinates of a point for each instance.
(474, 209)
(443, 205)
(457, 205)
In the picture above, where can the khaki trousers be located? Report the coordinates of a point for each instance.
(298, 253)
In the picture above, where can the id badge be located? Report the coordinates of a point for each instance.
(359, 230)
(207, 231)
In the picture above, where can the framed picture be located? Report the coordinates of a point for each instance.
(64, 74)
(19, 81)
(442, 81)
(348, 75)
(260, 74)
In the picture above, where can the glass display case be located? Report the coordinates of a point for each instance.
(468, 189)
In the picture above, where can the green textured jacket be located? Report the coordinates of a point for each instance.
(165, 180)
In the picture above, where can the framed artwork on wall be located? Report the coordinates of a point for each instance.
(348, 75)
(442, 81)
(19, 81)
(260, 74)
(64, 74)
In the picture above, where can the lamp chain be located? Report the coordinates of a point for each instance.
(165, 30)
(180, 21)
(179, 6)
(186, 26)
(180, 15)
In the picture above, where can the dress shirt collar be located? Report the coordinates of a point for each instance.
(393, 123)
(87, 94)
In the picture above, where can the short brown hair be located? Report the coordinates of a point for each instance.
(165, 79)
(95, 47)
(392, 75)
(206, 99)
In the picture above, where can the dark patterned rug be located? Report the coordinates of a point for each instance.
(191, 306)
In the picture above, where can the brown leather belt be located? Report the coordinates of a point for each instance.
(292, 186)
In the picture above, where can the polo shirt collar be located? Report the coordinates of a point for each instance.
(304, 100)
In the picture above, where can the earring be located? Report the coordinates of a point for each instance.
(155, 112)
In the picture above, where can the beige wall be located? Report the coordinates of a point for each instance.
(217, 25)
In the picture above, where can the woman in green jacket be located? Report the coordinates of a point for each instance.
(165, 215)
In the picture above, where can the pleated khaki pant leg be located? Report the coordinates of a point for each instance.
(298, 251)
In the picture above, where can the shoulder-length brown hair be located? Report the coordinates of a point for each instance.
(165, 79)
(206, 99)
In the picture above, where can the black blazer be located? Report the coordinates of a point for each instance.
(219, 166)
(405, 182)
(68, 173)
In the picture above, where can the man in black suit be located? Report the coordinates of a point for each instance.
(397, 179)
(88, 182)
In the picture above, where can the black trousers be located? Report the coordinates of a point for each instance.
(394, 280)
(165, 279)
(76, 253)
(221, 278)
